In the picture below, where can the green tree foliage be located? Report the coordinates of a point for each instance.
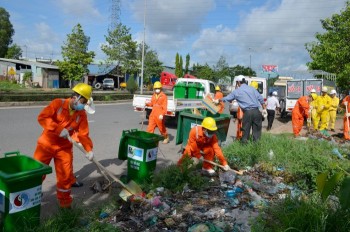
(152, 65)
(221, 69)
(131, 85)
(177, 65)
(6, 31)
(181, 73)
(14, 52)
(76, 56)
(121, 50)
(187, 65)
(331, 50)
(203, 72)
(241, 70)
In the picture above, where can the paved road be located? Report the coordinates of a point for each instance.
(20, 130)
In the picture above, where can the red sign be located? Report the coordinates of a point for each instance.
(294, 88)
(270, 68)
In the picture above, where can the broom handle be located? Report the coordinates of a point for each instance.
(221, 166)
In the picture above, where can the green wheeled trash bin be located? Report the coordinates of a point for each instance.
(192, 91)
(140, 149)
(187, 121)
(180, 90)
(200, 91)
(20, 191)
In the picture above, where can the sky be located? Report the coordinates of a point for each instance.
(250, 33)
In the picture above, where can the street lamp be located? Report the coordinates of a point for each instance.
(143, 47)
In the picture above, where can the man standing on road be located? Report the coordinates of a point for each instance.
(271, 105)
(202, 141)
(333, 109)
(159, 104)
(250, 100)
(61, 119)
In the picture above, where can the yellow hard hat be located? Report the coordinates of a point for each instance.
(157, 85)
(209, 123)
(254, 84)
(84, 90)
(217, 88)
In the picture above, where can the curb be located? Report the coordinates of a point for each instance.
(44, 103)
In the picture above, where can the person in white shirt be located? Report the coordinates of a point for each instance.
(271, 105)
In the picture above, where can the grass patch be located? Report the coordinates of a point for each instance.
(301, 161)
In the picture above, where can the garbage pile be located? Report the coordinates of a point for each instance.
(228, 204)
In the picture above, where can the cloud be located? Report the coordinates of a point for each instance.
(79, 8)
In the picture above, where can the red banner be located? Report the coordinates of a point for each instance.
(270, 68)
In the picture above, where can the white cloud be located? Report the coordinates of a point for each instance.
(79, 8)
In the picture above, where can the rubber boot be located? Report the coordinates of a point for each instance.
(166, 139)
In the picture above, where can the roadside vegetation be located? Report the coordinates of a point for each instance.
(309, 165)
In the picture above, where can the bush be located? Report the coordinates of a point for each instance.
(131, 85)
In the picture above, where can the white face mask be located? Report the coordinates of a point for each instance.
(208, 135)
(157, 91)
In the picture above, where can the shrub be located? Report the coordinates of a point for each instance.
(131, 85)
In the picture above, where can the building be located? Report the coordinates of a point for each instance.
(43, 75)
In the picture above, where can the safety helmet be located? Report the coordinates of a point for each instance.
(240, 78)
(333, 91)
(209, 123)
(314, 96)
(217, 88)
(254, 84)
(157, 85)
(324, 89)
(313, 91)
(274, 93)
(84, 90)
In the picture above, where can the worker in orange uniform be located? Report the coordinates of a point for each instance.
(301, 111)
(333, 109)
(346, 119)
(202, 140)
(219, 95)
(61, 119)
(159, 104)
(239, 132)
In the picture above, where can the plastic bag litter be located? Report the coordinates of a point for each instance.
(204, 227)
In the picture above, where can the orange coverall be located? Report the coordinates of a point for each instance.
(239, 132)
(345, 120)
(159, 104)
(198, 142)
(219, 95)
(300, 110)
(53, 118)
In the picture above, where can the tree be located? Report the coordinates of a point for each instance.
(221, 69)
(187, 65)
(6, 31)
(76, 56)
(14, 52)
(181, 73)
(152, 65)
(121, 50)
(177, 65)
(203, 72)
(331, 50)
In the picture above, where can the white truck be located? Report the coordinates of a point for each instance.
(177, 105)
(297, 88)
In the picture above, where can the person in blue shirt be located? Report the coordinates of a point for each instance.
(249, 100)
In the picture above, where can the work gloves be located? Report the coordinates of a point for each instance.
(216, 101)
(89, 155)
(264, 113)
(160, 117)
(196, 160)
(64, 133)
(345, 103)
(347, 114)
(226, 168)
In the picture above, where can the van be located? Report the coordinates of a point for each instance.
(262, 89)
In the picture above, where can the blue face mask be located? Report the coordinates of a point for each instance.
(78, 105)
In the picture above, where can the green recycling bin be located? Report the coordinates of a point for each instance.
(187, 121)
(192, 91)
(140, 148)
(200, 91)
(180, 90)
(20, 191)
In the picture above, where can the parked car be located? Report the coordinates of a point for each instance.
(108, 83)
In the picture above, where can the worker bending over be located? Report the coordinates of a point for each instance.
(301, 111)
(202, 140)
(159, 104)
(61, 119)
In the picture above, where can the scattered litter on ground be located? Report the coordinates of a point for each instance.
(228, 204)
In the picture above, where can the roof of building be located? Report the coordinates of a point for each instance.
(100, 69)
(30, 63)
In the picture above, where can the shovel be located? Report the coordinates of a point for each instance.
(128, 189)
(240, 172)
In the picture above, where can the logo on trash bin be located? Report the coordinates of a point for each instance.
(135, 153)
(21, 200)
